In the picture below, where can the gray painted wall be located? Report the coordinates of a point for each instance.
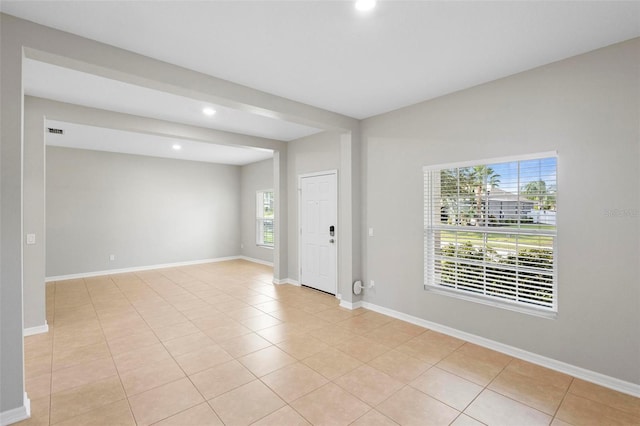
(34, 214)
(253, 177)
(586, 108)
(577, 106)
(11, 230)
(144, 210)
(281, 239)
(316, 153)
(38, 42)
(35, 111)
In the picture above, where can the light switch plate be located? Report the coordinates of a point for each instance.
(31, 239)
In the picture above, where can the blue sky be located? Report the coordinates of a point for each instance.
(530, 170)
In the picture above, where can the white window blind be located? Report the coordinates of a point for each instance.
(264, 218)
(490, 230)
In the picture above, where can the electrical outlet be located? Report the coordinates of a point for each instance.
(31, 239)
(241, 246)
(372, 284)
(112, 257)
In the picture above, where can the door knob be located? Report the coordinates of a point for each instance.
(332, 240)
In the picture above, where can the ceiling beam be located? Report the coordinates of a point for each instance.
(71, 51)
(72, 113)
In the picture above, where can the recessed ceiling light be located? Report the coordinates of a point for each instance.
(208, 111)
(365, 5)
(176, 147)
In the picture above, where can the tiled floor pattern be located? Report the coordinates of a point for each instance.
(219, 344)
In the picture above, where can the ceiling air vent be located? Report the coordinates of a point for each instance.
(56, 131)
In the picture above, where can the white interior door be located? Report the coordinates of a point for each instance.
(318, 221)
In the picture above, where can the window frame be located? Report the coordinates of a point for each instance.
(432, 224)
(261, 219)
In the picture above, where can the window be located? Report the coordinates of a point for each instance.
(264, 218)
(490, 232)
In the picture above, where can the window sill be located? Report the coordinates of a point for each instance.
(264, 246)
(543, 313)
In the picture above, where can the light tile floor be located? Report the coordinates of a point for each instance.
(219, 344)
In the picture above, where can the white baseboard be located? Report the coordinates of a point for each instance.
(350, 305)
(16, 414)
(254, 260)
(287, 281)
(572, 370)
(39, 329)
(138, 268)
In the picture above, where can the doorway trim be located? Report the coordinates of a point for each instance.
(299, 230)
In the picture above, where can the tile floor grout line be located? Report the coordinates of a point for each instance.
(175, 361)
(372, 409)
(187, 376)
(52, 352)
(589, 398)
(439, 400)
(234, 388)
(53, 331)
(295, 307)
(124, 391)
(165, 299)
(520, 402)
(485, 388)
(562, 400)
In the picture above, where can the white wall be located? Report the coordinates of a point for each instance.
(144, 210)
(586, 108)
(253, 177)
(316, 153)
